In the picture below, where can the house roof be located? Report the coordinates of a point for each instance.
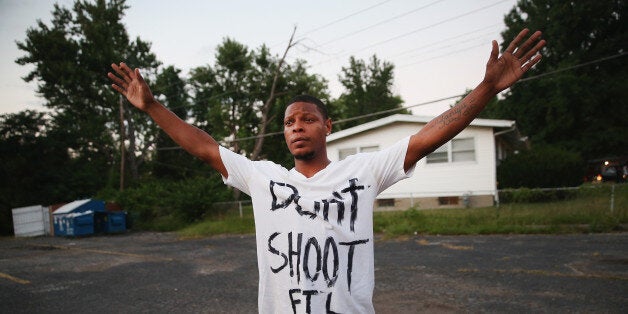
(396, 118)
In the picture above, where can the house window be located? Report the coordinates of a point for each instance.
(448, 200)
(462, 149)
(386, 202)
(438, 156)
(345, 152)
(456, 150)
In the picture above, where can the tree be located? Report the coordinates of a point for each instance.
(242, 96)
(222, 94)
(368, 90)
(37, 166)
(272, 91)
(541, 167)
(295, 80)
(583, 108)
(170, 162)
(71, 58)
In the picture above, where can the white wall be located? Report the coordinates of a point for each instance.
(30, 221)
(441, 179)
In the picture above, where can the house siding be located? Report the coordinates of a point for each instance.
(475, 179)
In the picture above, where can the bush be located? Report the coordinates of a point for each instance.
(542, 167)
(527, 195)
(166, 205)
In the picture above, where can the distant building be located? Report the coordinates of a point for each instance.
(461, 173)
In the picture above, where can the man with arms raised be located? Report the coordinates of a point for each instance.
(314, 226)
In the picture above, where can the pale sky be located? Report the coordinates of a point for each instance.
(439, 47)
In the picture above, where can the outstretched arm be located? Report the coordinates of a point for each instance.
(131, 85)
(501, 72)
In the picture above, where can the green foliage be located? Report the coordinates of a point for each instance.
(170, 161)
(527, 195)
(368, 89)
(584, 210)
(224, 102)
(405, 222)
(230, 94)
(541, 167)
(170, 205)
(70, 60)
(582, 109)
(37, 168)
(295, 81)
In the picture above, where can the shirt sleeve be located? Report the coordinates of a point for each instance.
(239, 168)
(387, 164)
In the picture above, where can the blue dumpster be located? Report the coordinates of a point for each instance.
(117, 222)
(77, 218)
(110, 222)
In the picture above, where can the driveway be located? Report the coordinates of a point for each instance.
(142, 272)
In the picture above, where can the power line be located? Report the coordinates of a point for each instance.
(421, 29)
(399, 67)
(382, 22)
(433, 25)
(356, 13)
(450, 97)
(379, 23)
(336, 122)
(445, 40)
(622, 54)
(344, 18)
(619, 55)
(465, 49)
(326, 25)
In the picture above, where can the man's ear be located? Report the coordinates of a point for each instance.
(328, 126)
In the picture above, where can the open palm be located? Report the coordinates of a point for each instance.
(503, 71)
(131, 85)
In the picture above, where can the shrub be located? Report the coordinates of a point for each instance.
(168, 205)
(542, 167)
(527, 195)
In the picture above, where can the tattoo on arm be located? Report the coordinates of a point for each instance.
(463, 109)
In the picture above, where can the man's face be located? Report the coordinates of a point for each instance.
(304, 129)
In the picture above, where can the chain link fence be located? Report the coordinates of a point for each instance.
(236, 208)
(602, 198)
(612, 198)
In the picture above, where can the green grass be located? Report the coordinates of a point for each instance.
(589, 211)
(523, 220)
(230, 223)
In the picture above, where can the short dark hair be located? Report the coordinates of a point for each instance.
(310, 100)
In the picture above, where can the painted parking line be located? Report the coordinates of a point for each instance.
(142, 256)
(107, 252)
(14, 279)
(446, 245)
(541, 272)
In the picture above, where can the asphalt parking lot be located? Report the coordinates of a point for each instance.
(160, 273)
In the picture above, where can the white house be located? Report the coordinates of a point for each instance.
(461, 173)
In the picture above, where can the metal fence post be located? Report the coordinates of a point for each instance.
(612, 198)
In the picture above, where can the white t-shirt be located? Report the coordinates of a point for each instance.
(315, 235)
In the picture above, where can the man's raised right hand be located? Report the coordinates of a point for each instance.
(131, 85)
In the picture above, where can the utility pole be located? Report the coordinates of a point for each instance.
(122, 148)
